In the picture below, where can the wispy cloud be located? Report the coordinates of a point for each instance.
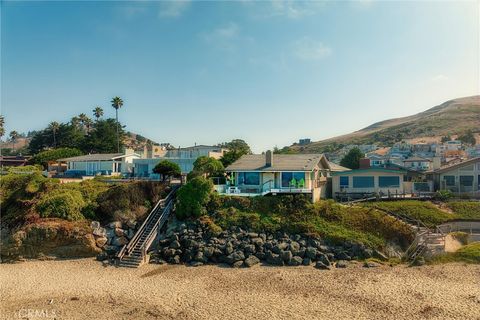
(439, 78)
(222, 36)
(173, 9)
(287, 8)
(309, 49)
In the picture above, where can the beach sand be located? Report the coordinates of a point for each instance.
(84, 289)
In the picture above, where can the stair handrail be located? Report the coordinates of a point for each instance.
(125, 249)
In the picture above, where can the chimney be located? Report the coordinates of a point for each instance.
(268, 158)
(364, 163)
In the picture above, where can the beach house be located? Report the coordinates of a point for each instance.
(273, 174)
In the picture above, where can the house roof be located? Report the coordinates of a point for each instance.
(456, 165)
(94, 157)
(281, 162)
(337, 167)
(412, 159)
(369, 170)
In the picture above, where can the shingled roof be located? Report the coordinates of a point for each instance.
(281, 162)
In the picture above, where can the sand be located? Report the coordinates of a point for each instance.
(84, 289)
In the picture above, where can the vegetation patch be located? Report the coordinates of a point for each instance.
(465, 209)
(468, 254)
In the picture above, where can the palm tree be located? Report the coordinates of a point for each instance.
(88, 123)
(75, 121)
(13, 138)
(54, 126)
(117, 103)
(98, 112)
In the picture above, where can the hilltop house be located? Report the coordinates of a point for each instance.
(99, 164)
(461, 177)
(272, 174)
(418, 164)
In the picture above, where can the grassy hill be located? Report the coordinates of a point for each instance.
(453, 117)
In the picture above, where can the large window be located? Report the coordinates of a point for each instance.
(248, 178)
(363, 182)
(388, 182)
(344, 182)
(449, 181)
(293, 179)
(466, 181)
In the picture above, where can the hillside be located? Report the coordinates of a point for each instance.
(453, 117)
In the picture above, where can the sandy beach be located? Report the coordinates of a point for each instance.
(84, 289)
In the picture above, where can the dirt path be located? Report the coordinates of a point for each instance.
(83, 289)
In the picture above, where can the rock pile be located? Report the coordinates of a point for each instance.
(114, 236)
(195, 245)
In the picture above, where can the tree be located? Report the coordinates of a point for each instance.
(97, 113)
(117, 103)
(352, 159)
(167, 169)
(44, 157)
(468, 138)
(446, 138)
(103, 137)
(208, 167)
(236, 149)
(13, 138)
(2, 124)
(193, 197)
(54, 126)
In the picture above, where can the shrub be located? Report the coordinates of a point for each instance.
(465, 209)
(193, 198)
(443, 195)
(61, 203)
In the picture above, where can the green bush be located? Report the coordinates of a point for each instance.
(61, 203)
(423, 211)
(443, 195)
(465, 209)
(193, 198)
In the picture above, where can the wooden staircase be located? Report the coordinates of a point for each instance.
(427, 241)
(134, 253)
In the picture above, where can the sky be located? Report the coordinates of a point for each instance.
(268, 72)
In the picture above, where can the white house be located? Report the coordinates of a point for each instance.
(463, 177)
(417, 164)
(102, 163)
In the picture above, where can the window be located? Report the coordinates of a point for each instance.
(466, 181)
(389, 182)
(449, 180)
(363, 182)
(344, 182)
(249, 178)
(293, 179)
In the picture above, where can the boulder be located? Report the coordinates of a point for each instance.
(208, 251)
(200, 257)
(274, 259)
(250, 261)
(341, 264)
(120, 232)
(102, 256)
(295, 261)
(99, 232)
(257, 241)
(323, 258)
(101, 241)
(343, 256)
(371, 264)
(252, 235)
(115, 224)
(234, 257)
(196, 264)
(237, 264)
(306, 261)
(286, 256)
(119, 241)
(131, 224)
(175, 260)
(311, 253)
(175, 244)
(294, 246)
(320, 265)
(95, 225)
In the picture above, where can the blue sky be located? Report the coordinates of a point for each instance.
(269, 72)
